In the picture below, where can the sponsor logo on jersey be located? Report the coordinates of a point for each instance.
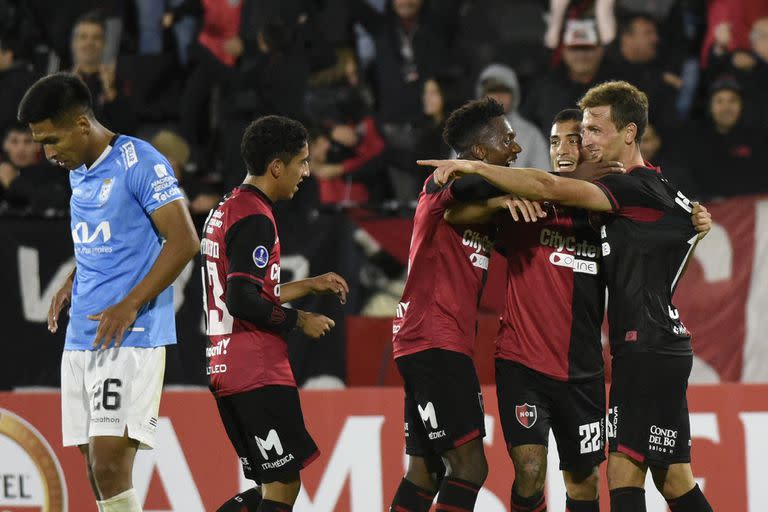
(218, 349)
(526, 415)
(130, 158)
(260, 256)
(479, 260)
(82, 234)
(216, 368)
(209, 248)
(105, 191)
(402, 308)
(562, 259)
(477, 241)
(161, 171)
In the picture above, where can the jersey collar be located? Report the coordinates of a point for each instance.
(245, 187)
(104, 153)
(646, 165)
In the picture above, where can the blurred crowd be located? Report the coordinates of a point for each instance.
(374, 80)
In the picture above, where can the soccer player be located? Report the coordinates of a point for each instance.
(248, 366)
(434, 332)
(132, 237)
(646, 243)
(549, 364)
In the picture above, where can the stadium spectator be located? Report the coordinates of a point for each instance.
(111, 103)
(559, 10)
(15, 76)
(499, 82)
(637, 61)
(750, 67)
(657, 149)
(412, 43)
(581, 68)
(153, 19)
(734, 160)
(29, 183)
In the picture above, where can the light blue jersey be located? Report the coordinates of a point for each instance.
(116, 243)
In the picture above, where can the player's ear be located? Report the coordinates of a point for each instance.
(630, 132)
(275, 168)
(82, 124)
(478, 151)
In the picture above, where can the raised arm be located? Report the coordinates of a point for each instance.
(529, 183)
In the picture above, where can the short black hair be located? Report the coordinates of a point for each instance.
(271, 137)
(16, 127)
(628, 19)
(568, 114)
(91, 18)
(54, 97)
(463, 127)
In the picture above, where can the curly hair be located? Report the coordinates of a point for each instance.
(465, 125)
(271, 137)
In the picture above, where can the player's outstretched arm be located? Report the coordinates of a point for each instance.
(481, 212)
(174, 224)
(529, 183)
(325, 284)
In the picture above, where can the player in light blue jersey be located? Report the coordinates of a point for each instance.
(132, 237)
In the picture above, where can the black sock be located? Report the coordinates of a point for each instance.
(572, 505)
(692, 501)
(247, 501)
(411, 498)
(535, 503)
(457, 495)
(274, 506)
(628, 499)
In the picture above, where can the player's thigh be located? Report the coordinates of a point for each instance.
(578, 424)
(125, 385)
(75, 399)
(444, 408)
(524, 405)
(673, 481)
(648, 417)
(277, 440)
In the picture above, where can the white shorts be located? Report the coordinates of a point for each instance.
(105, 393)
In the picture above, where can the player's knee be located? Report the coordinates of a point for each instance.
(530, 468)
(624, 472)
(468, 463)
(110, 476)
(672, 482)
(582, 485)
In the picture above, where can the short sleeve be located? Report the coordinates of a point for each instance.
(152, 182)
(632, 190)
(249, 244)
(473, 188)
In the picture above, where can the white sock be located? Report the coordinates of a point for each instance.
(124, 502)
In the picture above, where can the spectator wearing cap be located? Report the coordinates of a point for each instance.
(749, 66)
(500, 82)
(637, 61)
(726, 155)
(581, 68)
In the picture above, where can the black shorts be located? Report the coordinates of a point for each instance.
(531, 403)
(648, 410)
(266, 427)
(443, 401)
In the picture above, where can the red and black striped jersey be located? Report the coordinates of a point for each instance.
(240, 241)
(646, 244)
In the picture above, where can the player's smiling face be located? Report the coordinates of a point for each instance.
(599, 136)
(565, 146)
(295, 171)
(500, 145)
(63, 141)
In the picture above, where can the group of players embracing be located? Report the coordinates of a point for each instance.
(602, 219)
